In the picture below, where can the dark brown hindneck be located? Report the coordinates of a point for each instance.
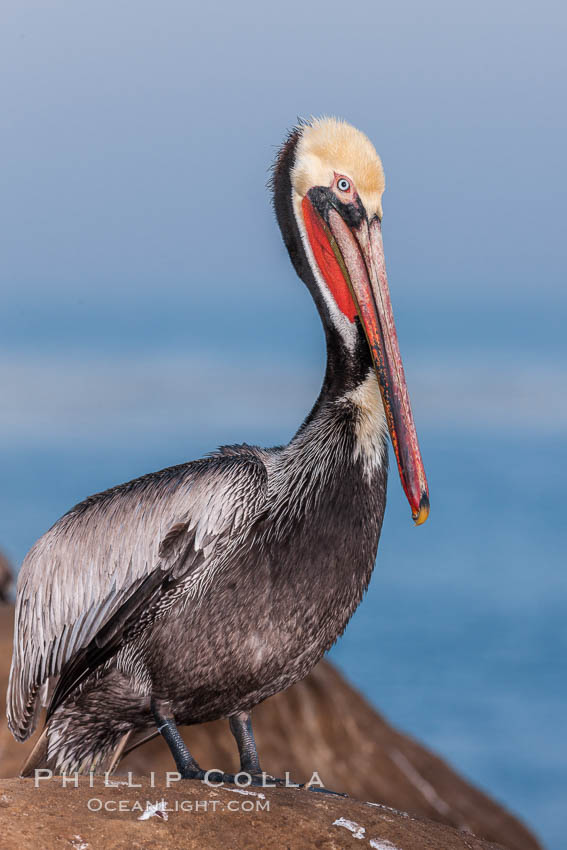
(346, 368)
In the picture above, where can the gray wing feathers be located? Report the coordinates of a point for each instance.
(95, 557)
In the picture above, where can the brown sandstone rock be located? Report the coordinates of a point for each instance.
(194, 817)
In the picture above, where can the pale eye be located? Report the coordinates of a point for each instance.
(343, 185)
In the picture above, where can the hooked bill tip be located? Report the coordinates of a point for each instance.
(423, 512)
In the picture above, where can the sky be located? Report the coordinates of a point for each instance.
(149, 310)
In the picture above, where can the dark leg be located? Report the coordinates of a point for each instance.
(186, 764)
(241, 728)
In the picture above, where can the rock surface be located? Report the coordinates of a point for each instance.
(192, 816)
(6, 578)
(321, 724)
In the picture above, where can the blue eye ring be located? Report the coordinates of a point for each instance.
(343, 184)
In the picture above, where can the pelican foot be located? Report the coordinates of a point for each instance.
(192, 773)
(217, 777)
(323, 790)
(268, 781)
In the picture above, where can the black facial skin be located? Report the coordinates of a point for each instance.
(323, 198)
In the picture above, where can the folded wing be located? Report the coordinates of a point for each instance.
(116, 562)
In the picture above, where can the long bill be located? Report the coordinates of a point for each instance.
(360, 253)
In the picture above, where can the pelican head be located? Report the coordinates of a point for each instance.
(331, 220)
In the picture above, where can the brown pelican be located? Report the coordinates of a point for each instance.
(198, 591)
